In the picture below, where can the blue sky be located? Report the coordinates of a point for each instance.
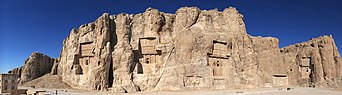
(41, 25)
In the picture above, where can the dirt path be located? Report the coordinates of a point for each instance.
(263, 91)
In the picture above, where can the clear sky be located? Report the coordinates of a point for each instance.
(41, 25)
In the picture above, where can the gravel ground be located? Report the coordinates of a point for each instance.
(262, 91)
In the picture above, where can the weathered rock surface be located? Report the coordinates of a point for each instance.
(191, 49)
(86, 55)
(16, 71)
(318, 59)
(34, 67)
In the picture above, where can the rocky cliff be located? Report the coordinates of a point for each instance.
(34, 67)
(318, 58)
(191, 49)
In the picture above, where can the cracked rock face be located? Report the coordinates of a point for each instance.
(191, 49)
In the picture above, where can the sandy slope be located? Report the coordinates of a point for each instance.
(48, 81)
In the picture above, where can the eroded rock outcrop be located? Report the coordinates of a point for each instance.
(34, 67)
(191, 49)
(314, 63)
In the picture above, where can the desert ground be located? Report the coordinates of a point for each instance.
(261, 91)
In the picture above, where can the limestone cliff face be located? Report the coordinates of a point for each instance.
(86, 55)
(34, 67)
(191, 49)
(313, 63)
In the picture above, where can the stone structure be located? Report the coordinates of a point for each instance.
(218, 61)
(280, 80)
(150, 61)
(8, 83)
(191, 49)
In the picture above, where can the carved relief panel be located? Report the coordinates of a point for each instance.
(305, 71)
(305, 67)
(148, 45)
(279, 80)
(194, 81)
(85, 58)
(218, 58)
(217, 65)
(151, 58)
(86, 49)
(220, 49)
